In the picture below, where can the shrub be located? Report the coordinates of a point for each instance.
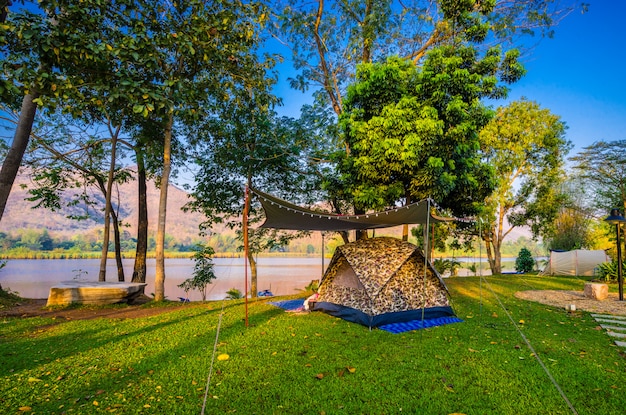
(203, 272)
(444, 265)
(607, 271)
(233, 294)
(525, 262)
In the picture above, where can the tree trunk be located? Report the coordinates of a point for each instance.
(118, 248)
(159, 279)
(139, 271)
(360, 233)
(254, 292)
(405, 227)
(108, 209)
(493, 254)
(14, 157)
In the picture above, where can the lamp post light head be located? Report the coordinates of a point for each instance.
(615, 218)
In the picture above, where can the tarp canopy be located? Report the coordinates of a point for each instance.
(280, 214)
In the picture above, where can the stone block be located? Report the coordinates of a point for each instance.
(596, 291)
(98, 293)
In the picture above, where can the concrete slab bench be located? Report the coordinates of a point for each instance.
(98, 293)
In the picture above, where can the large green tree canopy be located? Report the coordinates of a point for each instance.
(412, 132)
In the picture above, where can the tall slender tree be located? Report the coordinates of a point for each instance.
(254, 148)
(526, 145)
(602, 167)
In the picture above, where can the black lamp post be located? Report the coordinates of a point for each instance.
(616, 218)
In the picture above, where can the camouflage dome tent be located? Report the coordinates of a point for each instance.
(380, 281)
(375, 281)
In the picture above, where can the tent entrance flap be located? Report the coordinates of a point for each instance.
(280, 214)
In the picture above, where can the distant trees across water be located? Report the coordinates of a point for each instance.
(41, 244)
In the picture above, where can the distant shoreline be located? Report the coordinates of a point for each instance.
(150, 255)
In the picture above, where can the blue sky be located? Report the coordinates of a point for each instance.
(579, 75)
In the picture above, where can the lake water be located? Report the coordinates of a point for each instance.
(32, 278)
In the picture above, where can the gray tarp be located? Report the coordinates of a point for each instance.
(280, 214)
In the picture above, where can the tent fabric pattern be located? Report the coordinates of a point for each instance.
(379, 281)
(280, 214)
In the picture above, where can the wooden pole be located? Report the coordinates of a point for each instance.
(246, 247)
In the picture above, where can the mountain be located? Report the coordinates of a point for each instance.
(22, 214)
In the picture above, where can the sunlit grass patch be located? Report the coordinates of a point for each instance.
(285, 363)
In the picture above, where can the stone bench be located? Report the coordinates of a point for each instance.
(98, 293)
(596, 291)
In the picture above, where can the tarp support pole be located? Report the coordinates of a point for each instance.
(246, 247)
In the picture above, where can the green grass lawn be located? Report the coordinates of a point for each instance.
(286, 363)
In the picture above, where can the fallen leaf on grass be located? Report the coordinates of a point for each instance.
(351, 369)
(32, 379)
(223, 357)
(25, 409)
(319, 376)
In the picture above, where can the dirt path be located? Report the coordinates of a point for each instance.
(562, 299)
(37, 308)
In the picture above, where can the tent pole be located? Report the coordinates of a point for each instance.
(246, 247)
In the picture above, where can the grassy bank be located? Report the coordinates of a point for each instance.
(315, 364)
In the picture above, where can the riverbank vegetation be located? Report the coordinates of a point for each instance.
(41, 244)
(315, 364)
